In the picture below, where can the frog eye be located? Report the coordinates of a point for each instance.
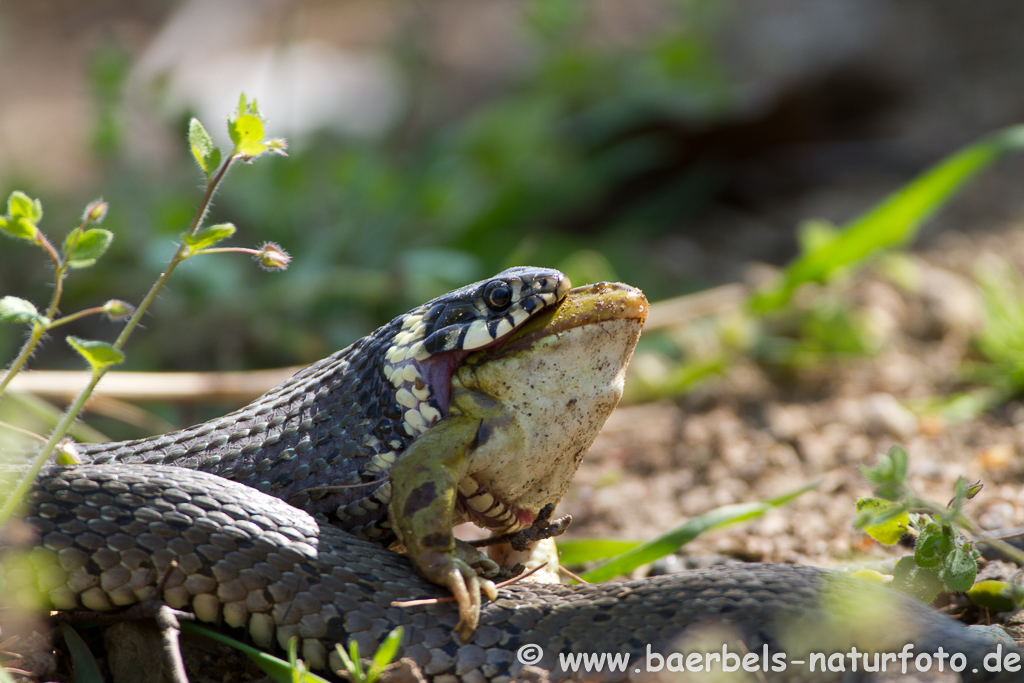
(497, 295)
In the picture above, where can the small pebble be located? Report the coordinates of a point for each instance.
(885, 415)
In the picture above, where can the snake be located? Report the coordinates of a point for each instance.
(322, 513)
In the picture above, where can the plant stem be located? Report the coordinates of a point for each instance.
(60, 271)
(6, 425)
(230, 250)
(48, 248)
(75, 316)
(18, 494)
(23, 356)
(14, 499)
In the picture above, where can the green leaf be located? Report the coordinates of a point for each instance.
(997, 596)
(20, 205)
(83, 663)
(922, 583)
(23, 213)
(893, 222)
(353, 652)
(206, 154)
(960, 569)
(299, 668)
(16, 310)
(962, 492)
(882, 520)
(91, 245)
(98, 354)
(962, 406)
(888, 477)
(208, 236)
(243, 107)
(346, 661)
(19, 228)
(385, 654)
(869, 575)
(247, 134)
(577, 551)
(276, 668)
(933, 545)
(684, 533)
(815, 234)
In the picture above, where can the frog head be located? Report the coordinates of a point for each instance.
(542, 397)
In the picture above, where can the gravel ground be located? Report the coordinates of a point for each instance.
(755, 434)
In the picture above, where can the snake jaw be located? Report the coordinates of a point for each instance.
(436, 338)
(432, 340)
(437, 370)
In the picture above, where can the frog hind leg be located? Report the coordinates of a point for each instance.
(425, 483)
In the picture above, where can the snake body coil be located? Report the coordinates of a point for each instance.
(251, 521)
(109, 534)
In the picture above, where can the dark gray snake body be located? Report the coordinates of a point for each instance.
(110, 535)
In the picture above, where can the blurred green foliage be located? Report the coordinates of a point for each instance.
(778, 328)
(377, 227)
(564, 166)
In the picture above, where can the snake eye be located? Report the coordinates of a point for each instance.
(497, 295)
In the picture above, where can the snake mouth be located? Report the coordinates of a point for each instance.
(437, 370)
(483, 508)
(581, 306)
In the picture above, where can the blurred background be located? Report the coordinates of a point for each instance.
(666, 143)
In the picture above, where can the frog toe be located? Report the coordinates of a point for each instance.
(465, 585)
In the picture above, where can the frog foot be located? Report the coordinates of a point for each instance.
(484, 566)
(543, 528)
(459, 577)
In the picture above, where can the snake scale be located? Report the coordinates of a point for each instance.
(273, 520)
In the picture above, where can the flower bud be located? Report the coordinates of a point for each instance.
(67, 453)
(96, 211)
(273, 257)
(116, 310)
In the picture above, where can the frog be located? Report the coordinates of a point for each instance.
(520, 420)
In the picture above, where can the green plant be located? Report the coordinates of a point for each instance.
(944, 557)
(291, 671)
(1001, 337)
(893, 222)
(85, 245)
(450, 195)
(998, 365)
(776, 328)
(635, 554)
(384, 655)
